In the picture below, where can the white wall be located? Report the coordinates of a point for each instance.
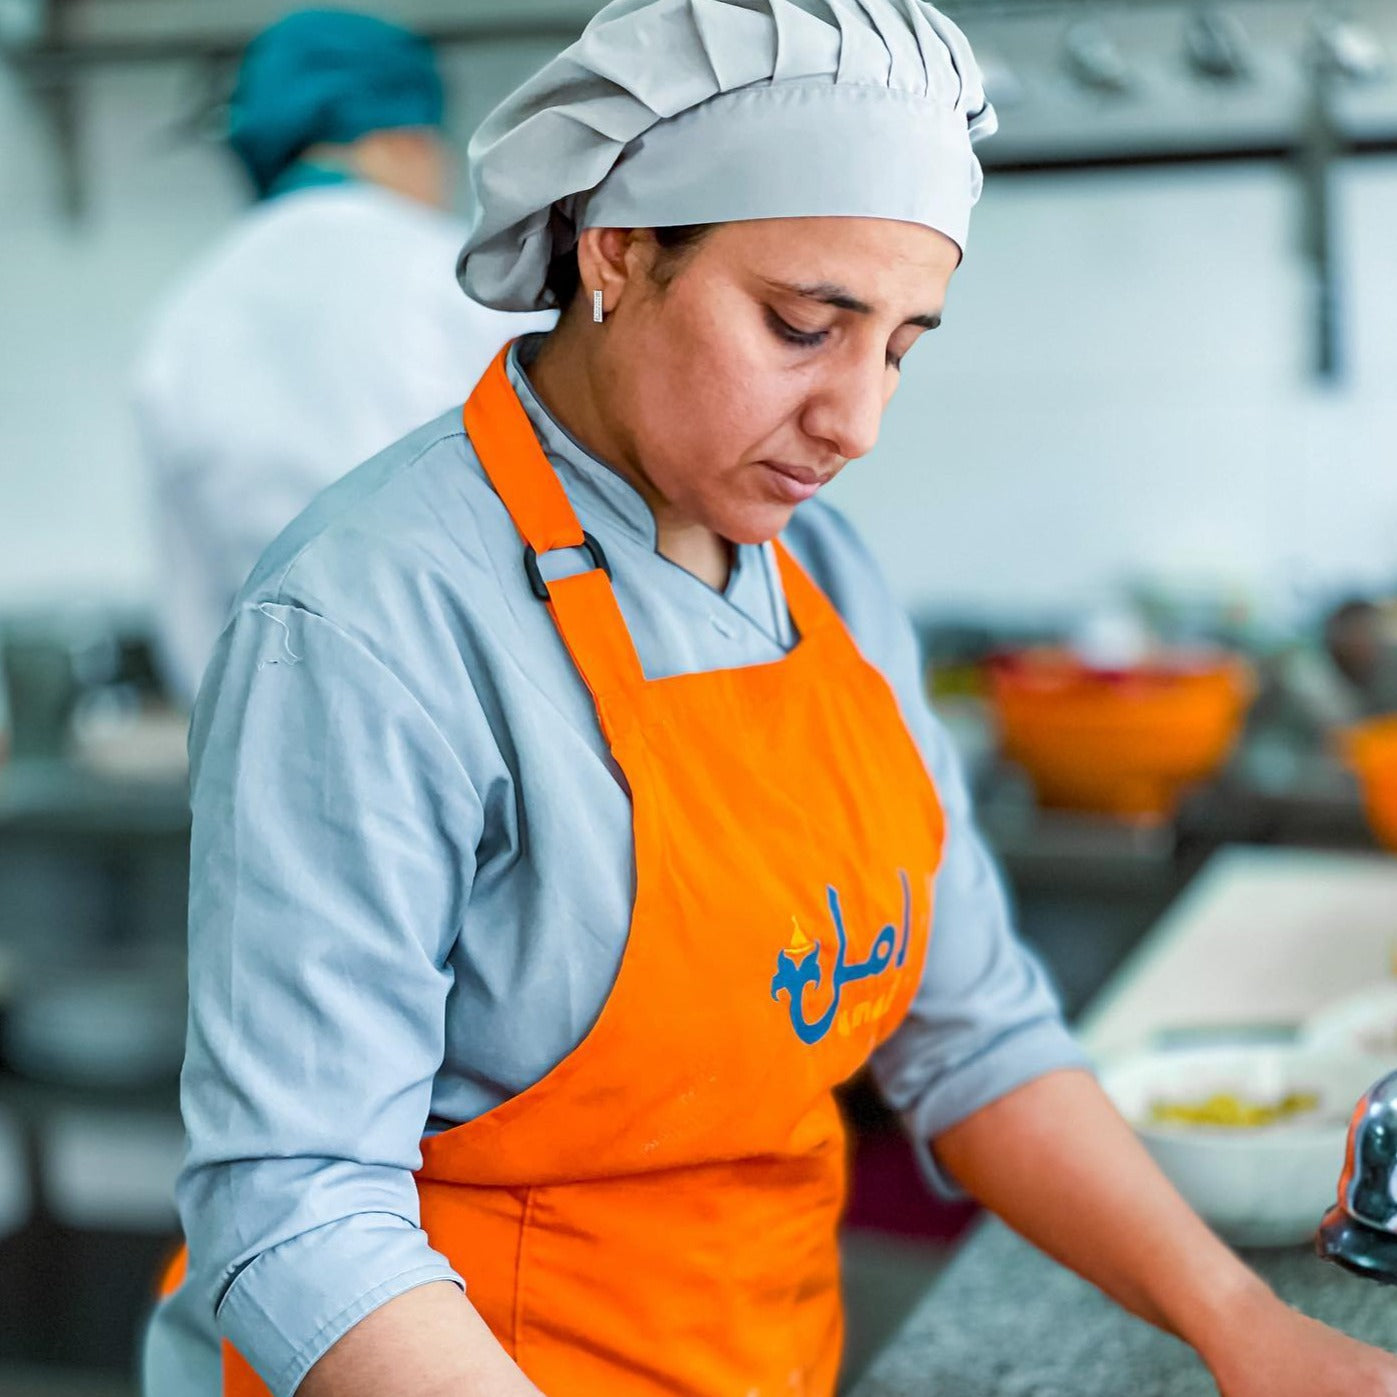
(1121, 384)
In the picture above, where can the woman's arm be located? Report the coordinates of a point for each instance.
(428, 1342)
(331, 864)
(1057, 1162)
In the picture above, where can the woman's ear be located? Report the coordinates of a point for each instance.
(611, 260)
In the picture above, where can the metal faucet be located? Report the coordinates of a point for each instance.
(1360, 1232)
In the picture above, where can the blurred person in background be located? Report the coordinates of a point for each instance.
(1360, 643)
(321, 328)
(1344, 674)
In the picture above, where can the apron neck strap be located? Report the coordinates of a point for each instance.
(810, 608)
(504, 440)
(583, 606)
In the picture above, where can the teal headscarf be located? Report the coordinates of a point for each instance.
(327, 76)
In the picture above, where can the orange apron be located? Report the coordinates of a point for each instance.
(658, 1215)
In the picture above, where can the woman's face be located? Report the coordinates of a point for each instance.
(764, 365)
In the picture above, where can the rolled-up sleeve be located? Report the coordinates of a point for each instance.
(332, 858)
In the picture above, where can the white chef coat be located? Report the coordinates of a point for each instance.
(326, 325)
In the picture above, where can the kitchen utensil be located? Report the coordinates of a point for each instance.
(1359, 1232)
(1371, 750)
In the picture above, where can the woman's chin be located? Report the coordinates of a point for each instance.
(757, 523)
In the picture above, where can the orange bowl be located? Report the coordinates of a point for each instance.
(1118, 742)
(1371, 749)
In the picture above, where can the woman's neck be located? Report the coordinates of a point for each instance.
(572, 386)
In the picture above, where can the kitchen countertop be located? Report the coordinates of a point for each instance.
(1262, 937)
(1004, 1321)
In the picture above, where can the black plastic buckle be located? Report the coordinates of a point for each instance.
(536, 583)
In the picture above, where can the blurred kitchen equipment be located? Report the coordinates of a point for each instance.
(1122, 742)
(49, 660)
(1216, 45)
(1113, 635)
(41, 689)
(1002, 84)
(1348, 49)
(1365, 1022)
(4, 708)
(107, 1026)
(1371, 750)
(1258, 1184)
(8, 979)
(1094, 59)
(129, 741)
(1359, 1232)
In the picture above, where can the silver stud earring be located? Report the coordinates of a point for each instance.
(597, 313)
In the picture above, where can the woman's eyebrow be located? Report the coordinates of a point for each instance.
(830, 294)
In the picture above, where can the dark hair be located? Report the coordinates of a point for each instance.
(563, 279)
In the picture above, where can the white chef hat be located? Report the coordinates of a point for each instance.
(668, 112)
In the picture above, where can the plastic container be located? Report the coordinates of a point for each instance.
(1371, 750)
(1125, 742)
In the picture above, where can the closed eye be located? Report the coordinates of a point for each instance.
(808, 339)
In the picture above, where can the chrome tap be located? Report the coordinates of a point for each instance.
(1360, 1231)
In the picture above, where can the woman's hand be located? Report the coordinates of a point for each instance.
(1056, 1161)
(1267, 1349)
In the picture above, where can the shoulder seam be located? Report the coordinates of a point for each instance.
(278, 585)
(360, 648)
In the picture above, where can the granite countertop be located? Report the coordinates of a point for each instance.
(1005, 1321)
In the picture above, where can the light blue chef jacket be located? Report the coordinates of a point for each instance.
(413, 869)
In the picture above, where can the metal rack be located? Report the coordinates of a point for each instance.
(1081, 84)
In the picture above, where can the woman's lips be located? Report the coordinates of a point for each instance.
(792, 483)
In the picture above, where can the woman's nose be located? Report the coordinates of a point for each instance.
(845, 410)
